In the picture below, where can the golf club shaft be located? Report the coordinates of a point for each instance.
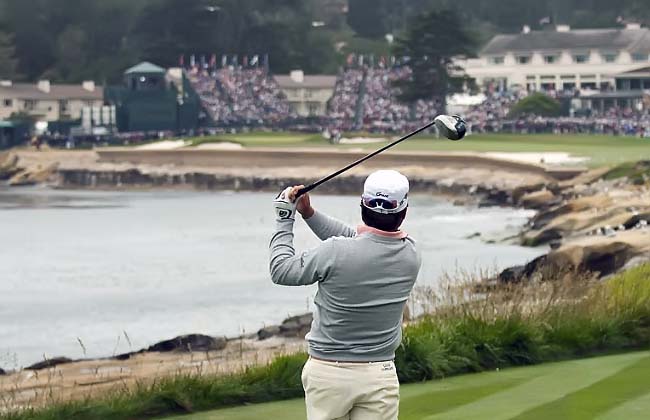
(363, 159)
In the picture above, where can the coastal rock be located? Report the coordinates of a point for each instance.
(268, 332)
(190, 342)
(295, 326)
(543, 237)
(601, 257)
(9, 167)
(512, 274)
(539, 200)
(495, 197)
(32, 177)
(48, 363)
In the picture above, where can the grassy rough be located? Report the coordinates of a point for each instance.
(520, 325)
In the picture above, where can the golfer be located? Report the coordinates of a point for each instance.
(364, 277)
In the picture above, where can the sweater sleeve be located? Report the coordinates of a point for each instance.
(289, 269)
(326, 227)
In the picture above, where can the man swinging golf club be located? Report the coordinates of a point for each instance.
(364, 277)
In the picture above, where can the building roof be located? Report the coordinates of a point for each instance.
(145, 67)
(633, 40)
(635, 73)
(315, 81)
(57, 92)
(616, 94)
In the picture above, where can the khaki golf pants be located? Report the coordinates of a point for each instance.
(350, 391)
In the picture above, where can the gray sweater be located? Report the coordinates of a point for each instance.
(363, 280)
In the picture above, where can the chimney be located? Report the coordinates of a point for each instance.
(88, 85)
(525, 29)
(632, 25)
(6, 83)
(44, 86)
(297, 76)
(562, 28)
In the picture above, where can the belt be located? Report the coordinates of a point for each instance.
(350, 362)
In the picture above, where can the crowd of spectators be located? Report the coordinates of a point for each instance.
(365, 99)
(241, 96)
(343, 106)
(493, 115)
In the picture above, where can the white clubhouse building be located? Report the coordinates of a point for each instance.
(560, 58)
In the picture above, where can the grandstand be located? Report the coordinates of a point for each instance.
(363, 99)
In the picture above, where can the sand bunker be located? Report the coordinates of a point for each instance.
(164, 145)
(549, 158)
(363, 140)
(220, 146)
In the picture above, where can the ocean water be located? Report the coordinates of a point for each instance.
(97, 267)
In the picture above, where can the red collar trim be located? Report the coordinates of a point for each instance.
(367, 229)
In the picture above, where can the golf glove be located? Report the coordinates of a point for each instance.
(285, 208)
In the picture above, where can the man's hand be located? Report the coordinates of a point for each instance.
(285, 208)
(303, 205)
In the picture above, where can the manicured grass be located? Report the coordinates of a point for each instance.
(582, 389)
(602, 150)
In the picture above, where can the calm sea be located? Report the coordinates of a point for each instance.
(96, 266)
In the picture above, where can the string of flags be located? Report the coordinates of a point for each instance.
(212, 62)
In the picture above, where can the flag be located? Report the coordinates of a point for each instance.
(224, 61)
(245, 61)
(255, 60)
(360, 60)
(350, 60)
(546, 20)
(235, 60)
(213, 61)
(204, 64)
(192, 60)
(181, 60)
(392, 60)
(382, 62)
(266, 61)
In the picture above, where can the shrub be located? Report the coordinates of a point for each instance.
(537, 104)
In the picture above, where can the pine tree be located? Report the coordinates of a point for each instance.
(7, 59)
(431, 43)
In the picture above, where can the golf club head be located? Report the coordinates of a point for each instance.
(451, 126)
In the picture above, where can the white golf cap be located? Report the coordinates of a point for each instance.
(386, 191)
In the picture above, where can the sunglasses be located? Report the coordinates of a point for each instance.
(374, 203)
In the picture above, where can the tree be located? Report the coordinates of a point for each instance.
(7, 57)
(368, 18)
(431, 43)
(537, 104)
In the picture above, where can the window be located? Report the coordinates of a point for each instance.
(639, 57)
(497, 60)
(8, 103)
(530, 77)
(610, 57)
(30, 104)
(63, 105)
(580, 58)
(550, 59)
(523, 59)
(567, 76)
(308, 93)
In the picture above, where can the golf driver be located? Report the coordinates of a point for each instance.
(450, 126)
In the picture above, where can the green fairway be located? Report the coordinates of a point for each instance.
(602, 150)
(604, 388)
